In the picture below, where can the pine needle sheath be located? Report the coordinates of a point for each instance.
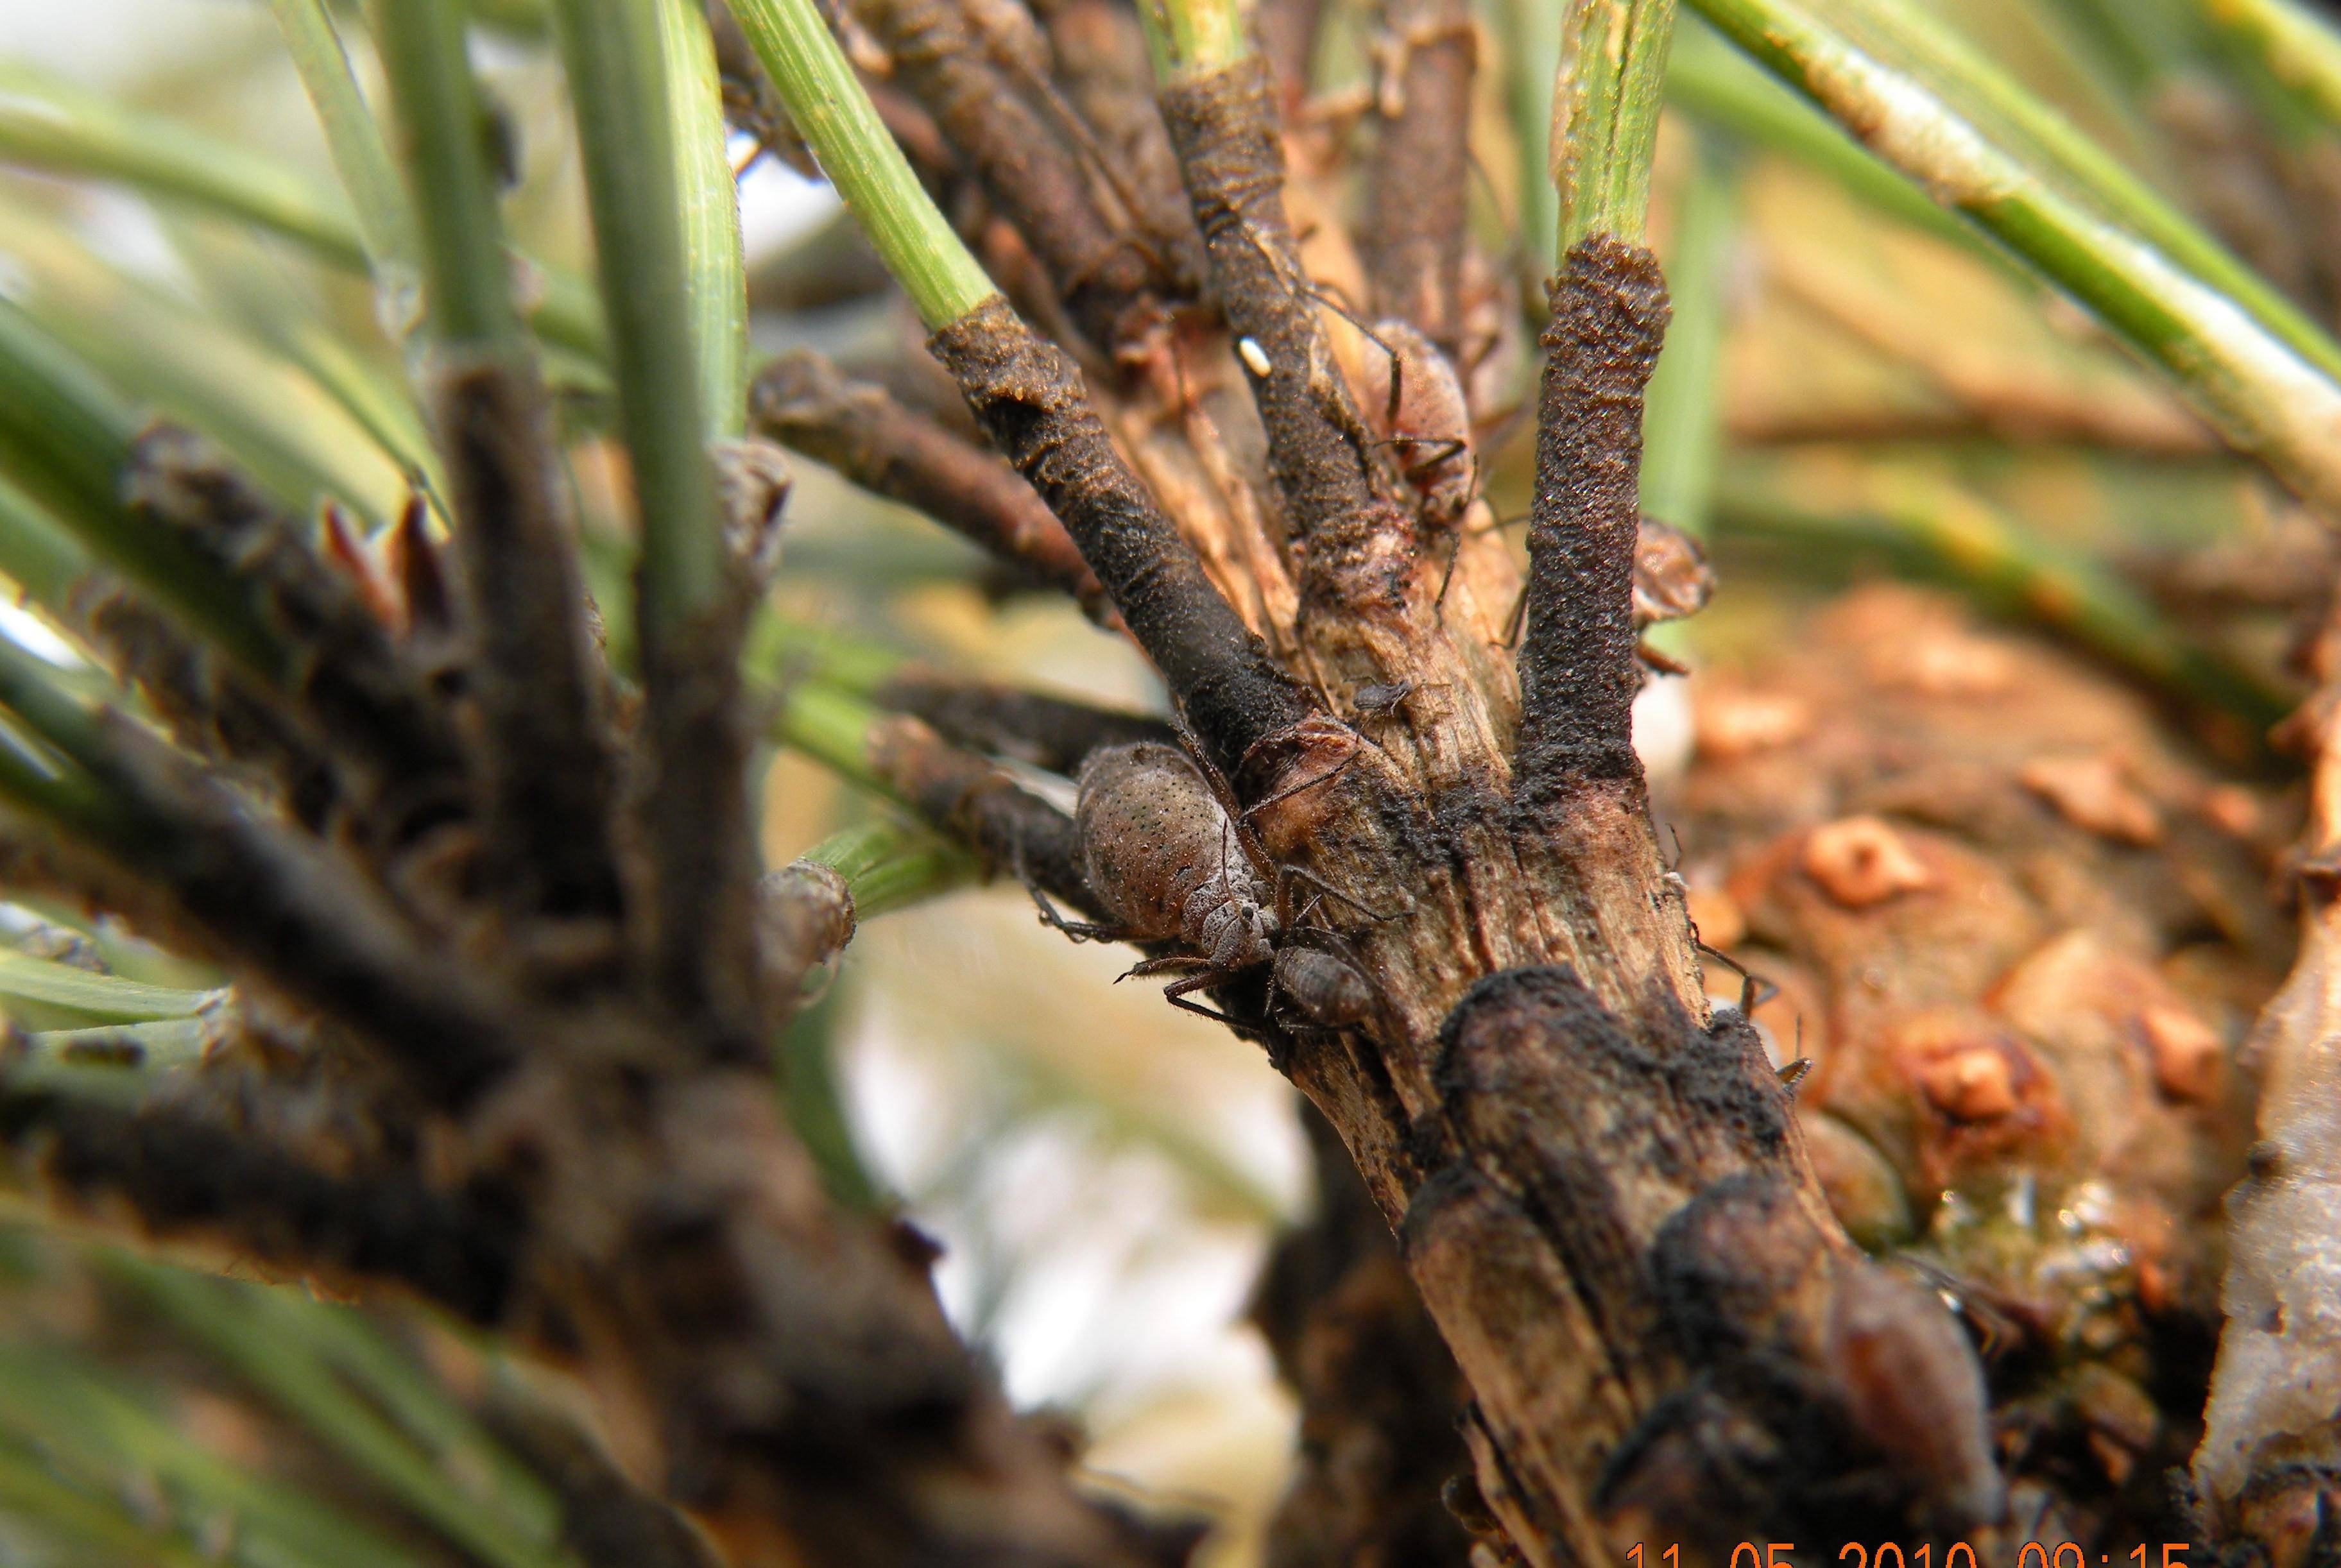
(1577, 665)
(547, 777)
(1578, 673)
(1357, 541)
(1035, 179)
(1418, 183)
(978, 804)
(1029, 398)
(1032, 727)
(965, 796)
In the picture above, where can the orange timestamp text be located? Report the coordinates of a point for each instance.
(1958, 1554)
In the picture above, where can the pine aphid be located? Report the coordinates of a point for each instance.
(1167, 862)
(1326, 988)
(1414, 400)
(1164, 858)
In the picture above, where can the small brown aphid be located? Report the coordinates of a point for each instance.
(1415, 404)
(1164, 858)
(1167, 863)
(1380, 699)
(1671, 577)
(1325, 990)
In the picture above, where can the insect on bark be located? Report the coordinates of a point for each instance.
(1414, 402)
(1166, 860)
(1326, 988)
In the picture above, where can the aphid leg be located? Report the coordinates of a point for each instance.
(1396, 370)
(1168, 964)
(1792, 1072)
(1754, 989)
(1206, 975)
(1078, 930)
(1324, 295)
(1454, 554)
(1514, 621)
(1050, 916)
(1289, 791)
(1176, 995)
(1288, 878)
(1447, 446)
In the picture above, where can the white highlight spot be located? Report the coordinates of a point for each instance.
(1255, 358)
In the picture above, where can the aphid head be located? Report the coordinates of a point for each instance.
(1241, 932)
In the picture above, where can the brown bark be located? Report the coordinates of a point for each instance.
(546, 782)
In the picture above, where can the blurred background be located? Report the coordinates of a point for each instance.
(1104, 1172)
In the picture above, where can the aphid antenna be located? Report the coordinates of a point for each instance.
(1326, 295)
(1995, 1328)
(1357, 744)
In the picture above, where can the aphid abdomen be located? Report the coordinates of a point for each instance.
(1671, 577)
(1414, 402)
(1154, 838)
